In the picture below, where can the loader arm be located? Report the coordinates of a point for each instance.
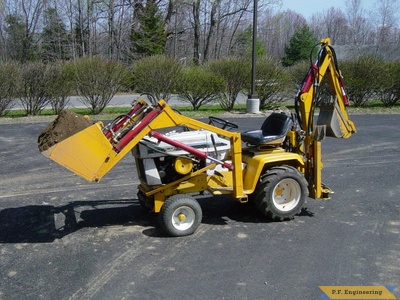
(333, 118)
(93, 152)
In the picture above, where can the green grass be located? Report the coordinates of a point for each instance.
(18, 113)
(375, 107)
(110, 113)
(113, 112)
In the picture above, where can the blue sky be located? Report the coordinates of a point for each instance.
(309, 7)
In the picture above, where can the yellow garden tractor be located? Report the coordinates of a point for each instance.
(276, 166)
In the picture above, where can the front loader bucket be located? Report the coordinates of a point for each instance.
(337, 125)
(84, 153)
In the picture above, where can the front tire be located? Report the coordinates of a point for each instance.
(281, 193)
(180, 215)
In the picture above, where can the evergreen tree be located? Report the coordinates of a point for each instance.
(17, 41)
(20, 44)
(54, 37)
(149, 38)
(299, 47)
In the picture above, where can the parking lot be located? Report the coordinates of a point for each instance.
(64, 238)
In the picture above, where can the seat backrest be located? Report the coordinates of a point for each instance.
(276, 124)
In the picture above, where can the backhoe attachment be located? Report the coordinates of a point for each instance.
(333, 112)
(333, 119)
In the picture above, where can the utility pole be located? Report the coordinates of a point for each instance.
(253, 102)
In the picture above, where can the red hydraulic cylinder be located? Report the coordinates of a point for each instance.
(122, 121)
(308, 79)
(191, 150)
(138, 128)
(344, 96)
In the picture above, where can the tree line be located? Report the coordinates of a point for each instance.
(191, 31)
(198, 50)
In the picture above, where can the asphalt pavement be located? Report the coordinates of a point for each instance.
(64, 238)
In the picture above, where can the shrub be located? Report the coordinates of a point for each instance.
(396, 76)
(361, 77)
(236, 73)
(388, 87)
(8, 85)
(97, 80)
(60, 87)
(155, 76)
(33, 89)
(198, 85)
(297, 73)
(272, 81)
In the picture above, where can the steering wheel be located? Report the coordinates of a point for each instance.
(223, 123)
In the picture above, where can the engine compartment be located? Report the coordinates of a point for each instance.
(155, 159)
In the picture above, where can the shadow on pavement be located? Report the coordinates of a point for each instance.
(218, 210)
(46, 223)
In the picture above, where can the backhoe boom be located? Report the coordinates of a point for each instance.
(333, 119)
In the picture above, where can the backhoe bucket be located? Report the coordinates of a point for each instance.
(336, 123)
(83, 153)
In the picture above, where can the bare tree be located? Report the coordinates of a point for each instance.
(331, 23)
(23, 16)
(234, 16)
(359, 29)
(196, 31)
(215, 23)
(177, 26)
(276, 30)
(385, 17)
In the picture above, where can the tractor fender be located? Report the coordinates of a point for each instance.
(257, 164)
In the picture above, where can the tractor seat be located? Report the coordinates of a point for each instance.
(273, 131)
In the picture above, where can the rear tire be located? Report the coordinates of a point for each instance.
(281, 193)
(180, 215)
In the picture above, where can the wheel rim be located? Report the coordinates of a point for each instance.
(183, 218)
(286, 194)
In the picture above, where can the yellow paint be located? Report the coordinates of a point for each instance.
(90, 154)
(83, 153)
